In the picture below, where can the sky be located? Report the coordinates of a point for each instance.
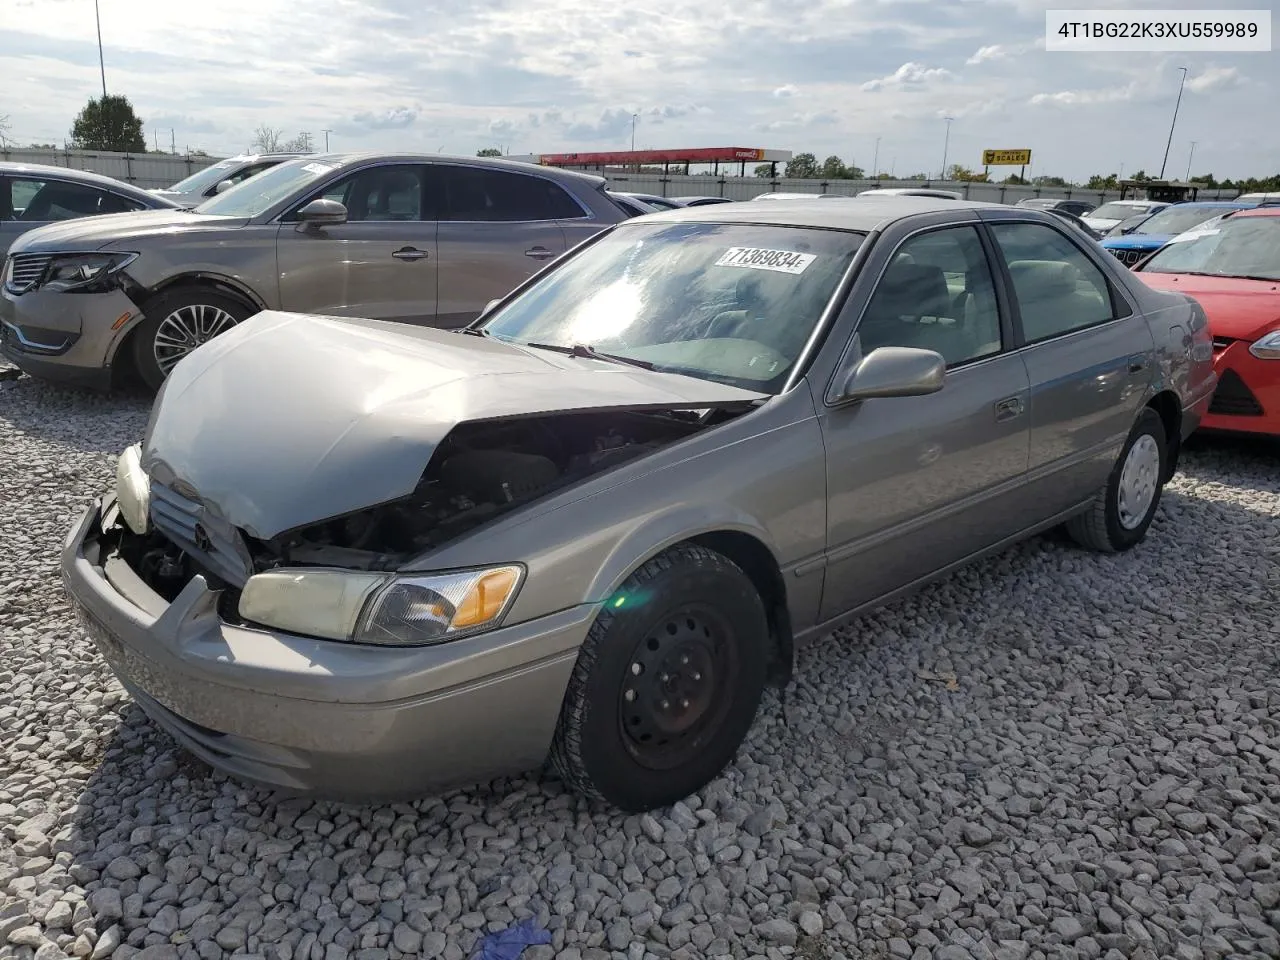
(867, 80)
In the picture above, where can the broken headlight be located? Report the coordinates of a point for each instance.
(78, 271)
(375, 608)
(133, 490)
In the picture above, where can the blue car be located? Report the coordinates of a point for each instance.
(1158, 229)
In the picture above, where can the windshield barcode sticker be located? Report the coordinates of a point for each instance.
(317, 168)
(755, 258)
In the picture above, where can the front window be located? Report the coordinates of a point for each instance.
(1177, 219)
(1236, 247)
(202, 180)
(1117, 211)
(259, 194)
(727, 302)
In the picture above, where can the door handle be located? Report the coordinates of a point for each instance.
(539, 253)
(1137, 363)
(410, 253)
(1008, 408)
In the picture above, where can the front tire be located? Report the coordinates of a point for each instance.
(175, 323)
(1122, 510)
(667, 683)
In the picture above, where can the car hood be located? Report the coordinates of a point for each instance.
(93, 233)
(1237, 308)
(1143, 241)
(1103, 224)
(290, 419)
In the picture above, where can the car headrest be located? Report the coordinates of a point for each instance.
(1043, 279)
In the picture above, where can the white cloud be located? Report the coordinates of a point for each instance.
(785, 91)
(1214, 78)
(996, 51)
(907, 75)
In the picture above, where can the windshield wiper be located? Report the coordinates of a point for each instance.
(476, 332)
(591, 353)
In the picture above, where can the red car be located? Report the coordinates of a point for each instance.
(1231, 266)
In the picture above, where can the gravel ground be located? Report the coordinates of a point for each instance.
(1050, 754)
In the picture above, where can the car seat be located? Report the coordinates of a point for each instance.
(1050, 300)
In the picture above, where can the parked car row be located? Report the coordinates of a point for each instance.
(370, 560)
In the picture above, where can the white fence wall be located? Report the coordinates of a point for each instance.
(144, 170)
(162, 169)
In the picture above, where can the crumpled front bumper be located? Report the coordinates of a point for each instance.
(344, 721)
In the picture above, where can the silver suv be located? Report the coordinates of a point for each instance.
(414, 238)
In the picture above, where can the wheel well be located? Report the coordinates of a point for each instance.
(757, 562)
(122, 365)
(1167, 405)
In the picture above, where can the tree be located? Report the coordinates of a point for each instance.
(1050, 182)
(4, 131)
(489, 152)
(1100, 182)
(917, 176)
(833, 168)
(267, 139)
(803, 166)
(42, 146)
(959, 174)
(1014, 180)
(108, 123)
(763, 170)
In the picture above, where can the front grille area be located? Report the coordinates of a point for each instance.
(209, 541)
(1233, 398)
(1127, 257)
(25, 270)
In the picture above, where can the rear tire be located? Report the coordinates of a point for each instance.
(1122, 510)
(176, 322)
(667, 683)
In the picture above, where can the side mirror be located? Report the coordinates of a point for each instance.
(488, 308)
(894, 372)
(321, 212)
(223, 187)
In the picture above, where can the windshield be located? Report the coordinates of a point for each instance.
(256, 195)
(201, 180)
(1236, 247)
(1117, 211)
(1178, 219)
(734, 303)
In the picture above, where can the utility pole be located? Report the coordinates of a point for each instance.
(102, 67)
(946, 142)
(1176, 104)
(1189, 156)
(634, 118)
(326, 140)
(875, 161)
(173, 141)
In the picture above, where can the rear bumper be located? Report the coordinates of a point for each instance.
(344, 721)
(1247, 399)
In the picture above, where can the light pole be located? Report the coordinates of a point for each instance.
(946, 142)
(326, 140)
(875, 161)
(1177, 104)
(1189, 156)
(634, 118)
(102, 67)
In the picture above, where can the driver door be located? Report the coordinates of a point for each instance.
(380, 264)
(915, 484)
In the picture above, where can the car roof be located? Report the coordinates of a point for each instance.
(497, 163)
(873, 213)
(11, 168)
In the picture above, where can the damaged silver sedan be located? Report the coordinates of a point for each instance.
(366, 560)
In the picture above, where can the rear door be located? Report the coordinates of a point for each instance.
(1089, 356)
(497, 228)
(380, 264)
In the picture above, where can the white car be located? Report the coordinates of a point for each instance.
(212, 180)
(911, 192)
(1258, 198)
(1109, 214)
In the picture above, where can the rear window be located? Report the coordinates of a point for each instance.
(476, 194)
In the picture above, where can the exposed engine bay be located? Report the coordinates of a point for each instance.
(480, 471)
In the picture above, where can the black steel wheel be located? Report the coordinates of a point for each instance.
(667, 683)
